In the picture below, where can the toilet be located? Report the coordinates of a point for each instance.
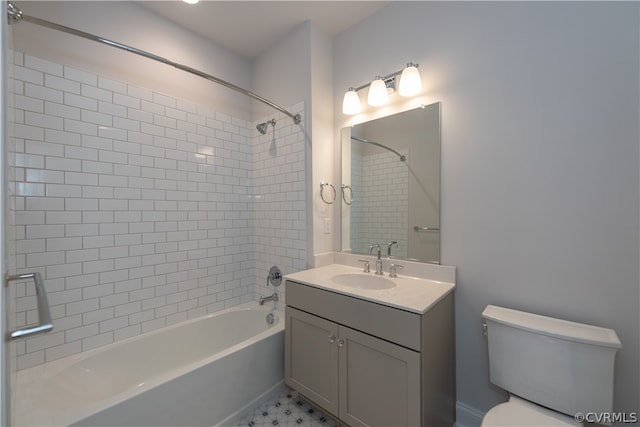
(552, 369)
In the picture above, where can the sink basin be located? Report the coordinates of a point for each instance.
(363, 281)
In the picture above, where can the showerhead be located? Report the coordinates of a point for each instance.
(262, 127)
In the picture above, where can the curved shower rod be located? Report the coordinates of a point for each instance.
(15, 15)
(402, 156)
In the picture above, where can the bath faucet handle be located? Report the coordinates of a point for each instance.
(367, 269)
(275, 276)
(393, 272)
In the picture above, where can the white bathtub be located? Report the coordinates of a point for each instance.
(198, 373)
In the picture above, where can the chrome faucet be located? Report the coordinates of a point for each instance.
(272, 297)
(378, 261)
(389, 244)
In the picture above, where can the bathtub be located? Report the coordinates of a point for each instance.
(201, 372)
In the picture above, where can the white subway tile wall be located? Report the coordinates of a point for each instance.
(141, 210)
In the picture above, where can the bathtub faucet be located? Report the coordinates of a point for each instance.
(273, 297)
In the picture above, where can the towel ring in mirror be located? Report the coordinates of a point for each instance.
(344, 194)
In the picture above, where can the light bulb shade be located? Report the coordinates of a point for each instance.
(351, 102)
(377, 93)
(410, 81)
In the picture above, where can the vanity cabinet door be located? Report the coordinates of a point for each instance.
(380, 381)
(311, 357)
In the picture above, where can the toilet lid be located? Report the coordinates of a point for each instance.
(519, 412)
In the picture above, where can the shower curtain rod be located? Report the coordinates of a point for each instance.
(15, 15)
(402, 156)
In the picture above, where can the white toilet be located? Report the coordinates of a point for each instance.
(553, 369)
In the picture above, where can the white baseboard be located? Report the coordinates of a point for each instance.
(467, 416)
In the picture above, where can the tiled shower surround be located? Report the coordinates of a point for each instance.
(141, 210)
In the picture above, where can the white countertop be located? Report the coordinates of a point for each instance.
(410, 293)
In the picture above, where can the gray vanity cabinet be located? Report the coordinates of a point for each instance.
(312, 362)
(366, 363)
(380, 382)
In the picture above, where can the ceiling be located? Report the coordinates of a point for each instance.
(250, 27)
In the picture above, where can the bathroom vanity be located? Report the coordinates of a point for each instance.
(369, 349)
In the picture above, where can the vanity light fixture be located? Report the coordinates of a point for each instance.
(410, 83)
(191, 1)
(377, 92)
(351, 102)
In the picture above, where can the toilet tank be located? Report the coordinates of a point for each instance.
(562, 365)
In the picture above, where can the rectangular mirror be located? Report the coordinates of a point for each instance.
(391, 185)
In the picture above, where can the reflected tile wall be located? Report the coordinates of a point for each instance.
(379, 213)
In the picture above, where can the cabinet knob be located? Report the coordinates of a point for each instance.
(332, 339)
(340, 343)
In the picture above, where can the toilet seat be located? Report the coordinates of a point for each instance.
(520, 412)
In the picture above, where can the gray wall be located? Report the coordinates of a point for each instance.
(540, 160)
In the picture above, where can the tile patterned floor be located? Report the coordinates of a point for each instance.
(287, 409)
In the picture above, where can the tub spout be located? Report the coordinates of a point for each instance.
(273, 297)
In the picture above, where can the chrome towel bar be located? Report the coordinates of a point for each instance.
(418, 228)
(44, 316)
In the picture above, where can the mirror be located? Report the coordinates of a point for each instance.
(391, 185)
